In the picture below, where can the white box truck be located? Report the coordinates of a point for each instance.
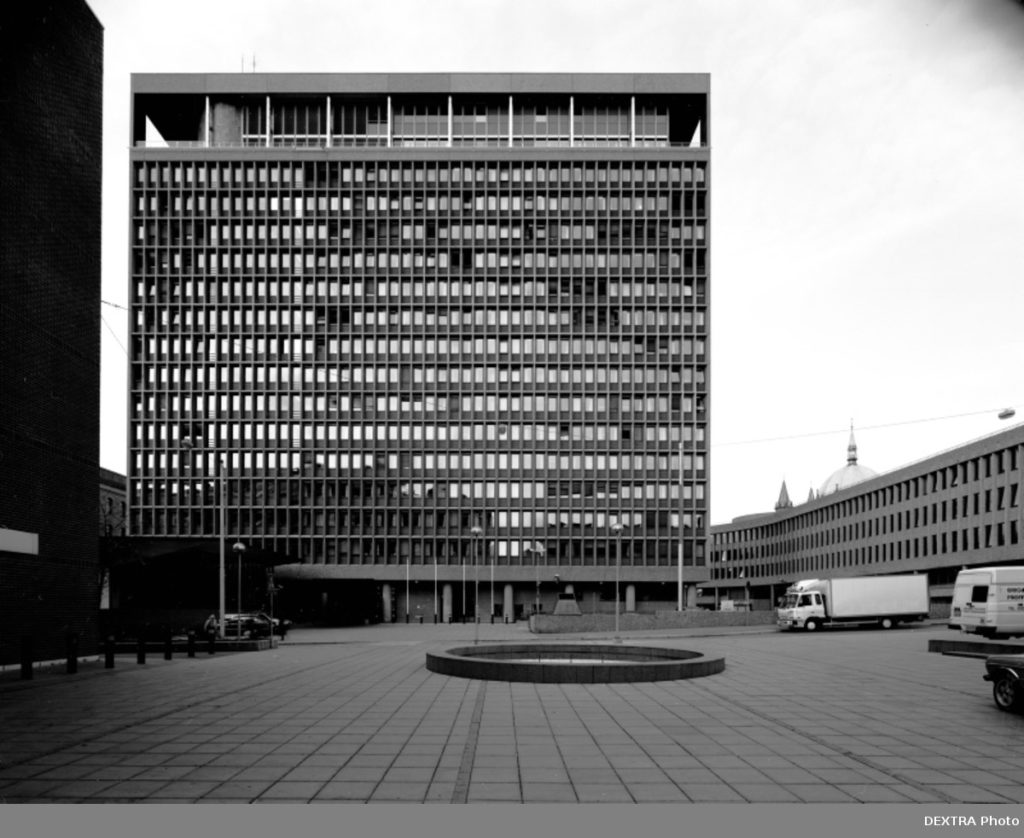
(884, 601)
(989, 601)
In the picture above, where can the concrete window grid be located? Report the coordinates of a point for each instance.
(156, 295)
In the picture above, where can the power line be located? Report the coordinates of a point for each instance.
(113, 305)
(105, 323)
(861, 428)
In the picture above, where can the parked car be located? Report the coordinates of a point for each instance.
(281, 625)
(1005, 673)
(252, 625)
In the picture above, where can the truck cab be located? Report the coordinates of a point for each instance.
(802, 610)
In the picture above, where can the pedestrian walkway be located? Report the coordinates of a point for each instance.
(352, 715)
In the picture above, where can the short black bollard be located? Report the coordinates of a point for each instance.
(108, 653)
(407, 616)
(212, 643)
(72, 653)
(168, 647)
(26, 659)
(191, 644)
(140, 650)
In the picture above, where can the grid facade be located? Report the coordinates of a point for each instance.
(420, 330)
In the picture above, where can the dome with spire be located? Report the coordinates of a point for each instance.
(848, 475)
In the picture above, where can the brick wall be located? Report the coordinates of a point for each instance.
(51, 68)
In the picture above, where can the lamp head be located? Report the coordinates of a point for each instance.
(238, 547)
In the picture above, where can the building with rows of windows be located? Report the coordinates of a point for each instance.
(425, 330)
(958, 508)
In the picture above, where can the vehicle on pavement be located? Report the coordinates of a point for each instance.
(989, 601)
(252, 625)
(281, 625)
(884, 601)
(1004, 671)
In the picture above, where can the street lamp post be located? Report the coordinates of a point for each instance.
(682, 517)
(221, 474)
(477, 532)
(617, 529)
(239, 549)
(536, 570)
(222, 503)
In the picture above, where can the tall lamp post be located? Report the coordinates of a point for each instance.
(239, 550)
(682, 515)
(617, 529)
(222, 503)
(477, 533)
(536, 571)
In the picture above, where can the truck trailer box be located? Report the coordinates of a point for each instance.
(989, 601)
(867, 596)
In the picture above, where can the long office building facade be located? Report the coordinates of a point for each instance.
(425, 330)
(959, 508)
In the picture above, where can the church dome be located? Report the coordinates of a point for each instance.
(848, 475)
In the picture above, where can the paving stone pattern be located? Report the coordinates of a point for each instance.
(352, 715)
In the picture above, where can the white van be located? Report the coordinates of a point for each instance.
(989, 601)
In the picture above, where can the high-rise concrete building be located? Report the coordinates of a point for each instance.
(51, 85)
(425, 330)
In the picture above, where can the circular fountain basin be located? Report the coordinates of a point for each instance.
(572, 663)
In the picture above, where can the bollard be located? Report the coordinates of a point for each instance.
(191, 644)
(140, 649)
(26, 659)
(212, 643)
(108, 653)
(168, 647)
(72, 653)
(407, 616)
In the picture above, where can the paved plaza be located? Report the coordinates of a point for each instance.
(352, 715)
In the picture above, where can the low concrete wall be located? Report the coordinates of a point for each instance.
(693, 618)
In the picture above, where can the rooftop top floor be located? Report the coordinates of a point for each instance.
(426, 110)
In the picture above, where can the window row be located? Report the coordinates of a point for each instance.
(213, 263)
(263, 290)
(253, 206)
(288, 174)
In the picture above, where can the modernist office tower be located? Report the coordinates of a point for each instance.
(51, 85)
(429, 328)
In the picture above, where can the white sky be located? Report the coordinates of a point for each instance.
(867, 193)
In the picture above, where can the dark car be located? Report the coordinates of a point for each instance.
(1005, 672)
(246, 625)
(281, 625)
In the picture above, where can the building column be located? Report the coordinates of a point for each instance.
(446, 603)
(508, 609)
(630, 598)
(386, 597)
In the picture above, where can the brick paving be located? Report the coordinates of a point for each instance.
(352, 715)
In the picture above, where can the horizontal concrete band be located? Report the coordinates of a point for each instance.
(628, 664)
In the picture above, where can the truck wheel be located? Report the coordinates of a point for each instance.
(1004, 693)
(812, 625)
(886, 622)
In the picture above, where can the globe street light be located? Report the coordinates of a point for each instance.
(617, 529)
(477, 533)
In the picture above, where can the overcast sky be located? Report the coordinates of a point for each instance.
(867, 202)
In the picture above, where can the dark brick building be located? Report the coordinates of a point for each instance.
(51, 76)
